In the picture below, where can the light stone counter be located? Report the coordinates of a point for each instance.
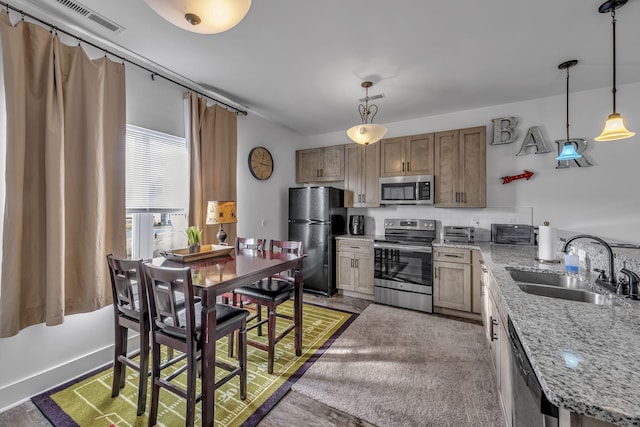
(586, 356)
(367, 237)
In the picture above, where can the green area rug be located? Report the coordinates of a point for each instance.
(87, 401)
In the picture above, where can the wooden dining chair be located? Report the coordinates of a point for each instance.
(179, 327)
(270, 293)
(130, 313)
(243, 243)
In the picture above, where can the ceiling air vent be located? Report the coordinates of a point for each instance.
(77, 8)
(373, 97)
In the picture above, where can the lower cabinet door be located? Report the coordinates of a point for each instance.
(345, 275)
(364, 274)
(452, 285)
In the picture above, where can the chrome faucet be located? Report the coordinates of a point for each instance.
(634, 281)
(610, 282)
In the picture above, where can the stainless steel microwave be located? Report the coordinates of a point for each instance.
(407, 190)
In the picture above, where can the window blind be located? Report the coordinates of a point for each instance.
(157, 171)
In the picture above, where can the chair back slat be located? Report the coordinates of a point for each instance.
(290, 246)
(171, 299)
(250, 243)
(287, 246)
(127, 286)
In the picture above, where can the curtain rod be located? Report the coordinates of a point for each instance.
(122, 58)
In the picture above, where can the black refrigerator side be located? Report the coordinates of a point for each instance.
(316, 216)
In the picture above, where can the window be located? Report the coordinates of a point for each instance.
(157, 192)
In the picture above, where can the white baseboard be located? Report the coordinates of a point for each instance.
(22, 390)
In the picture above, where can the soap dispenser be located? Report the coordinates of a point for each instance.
(571, 261)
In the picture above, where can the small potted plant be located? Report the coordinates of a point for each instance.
(193, 239)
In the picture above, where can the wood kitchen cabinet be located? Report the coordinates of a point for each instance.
(460, 168)
(452, 278)
(355, 268)
(456, 282)
(320, 164)
(361, 185)
(407, 155)
(495, 323)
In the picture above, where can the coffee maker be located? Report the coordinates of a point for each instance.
(356, 225)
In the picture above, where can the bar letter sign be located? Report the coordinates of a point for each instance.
(505, 127)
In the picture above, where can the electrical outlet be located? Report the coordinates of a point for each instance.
(512, 220)
(475, 220)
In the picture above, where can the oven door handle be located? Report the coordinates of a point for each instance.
(405, 248)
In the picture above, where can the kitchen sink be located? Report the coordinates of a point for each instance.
(549, 279)
(562, 286)
(568, 294)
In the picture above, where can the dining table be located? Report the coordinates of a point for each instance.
(213, 277)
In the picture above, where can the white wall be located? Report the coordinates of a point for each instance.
(263, 205)
(601, 200)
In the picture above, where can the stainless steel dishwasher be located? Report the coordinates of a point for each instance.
(531, 408)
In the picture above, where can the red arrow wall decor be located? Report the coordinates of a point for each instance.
(507, 179)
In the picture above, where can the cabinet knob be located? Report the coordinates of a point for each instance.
(408, 166)
(402, 166)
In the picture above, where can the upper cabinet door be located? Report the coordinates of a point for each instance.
(419, 151)
(308, 164)
(333, 163)
(392, 161)
(446, 168)
(473, 173)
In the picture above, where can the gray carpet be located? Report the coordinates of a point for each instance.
(402, 368)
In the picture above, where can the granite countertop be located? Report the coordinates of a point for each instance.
(586, 356)
(368, 237)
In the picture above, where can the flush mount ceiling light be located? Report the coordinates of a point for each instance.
(614, 127)
(568, 150)
(367, 133)
(202, 16)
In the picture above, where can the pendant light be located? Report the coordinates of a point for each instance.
(367, 133)
(568, 150)
(202, 16)
(614, 127)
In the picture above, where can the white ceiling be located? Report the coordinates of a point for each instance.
(300, 62)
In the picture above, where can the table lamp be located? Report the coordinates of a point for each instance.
(221, 213)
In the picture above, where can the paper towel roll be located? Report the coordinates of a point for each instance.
(546, 243)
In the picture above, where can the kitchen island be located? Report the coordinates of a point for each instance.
(585, 356)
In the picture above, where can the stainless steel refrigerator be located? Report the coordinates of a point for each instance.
(316, 216)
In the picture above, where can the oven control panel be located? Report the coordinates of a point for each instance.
(410, 224)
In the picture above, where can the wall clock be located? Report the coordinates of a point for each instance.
(260, 163)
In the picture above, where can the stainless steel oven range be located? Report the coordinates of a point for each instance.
(403, 264)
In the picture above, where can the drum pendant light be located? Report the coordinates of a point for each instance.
(614, 127)
(367, 133)
(568, 150)
(202, 16)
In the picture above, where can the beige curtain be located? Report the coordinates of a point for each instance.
(65, 204)
(213, 150)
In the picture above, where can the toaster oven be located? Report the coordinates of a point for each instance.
(513, 234)
(454, 233)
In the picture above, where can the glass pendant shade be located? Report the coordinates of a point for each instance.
(614, 129)
(568, 152)
(366, 134)
(202, 16)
